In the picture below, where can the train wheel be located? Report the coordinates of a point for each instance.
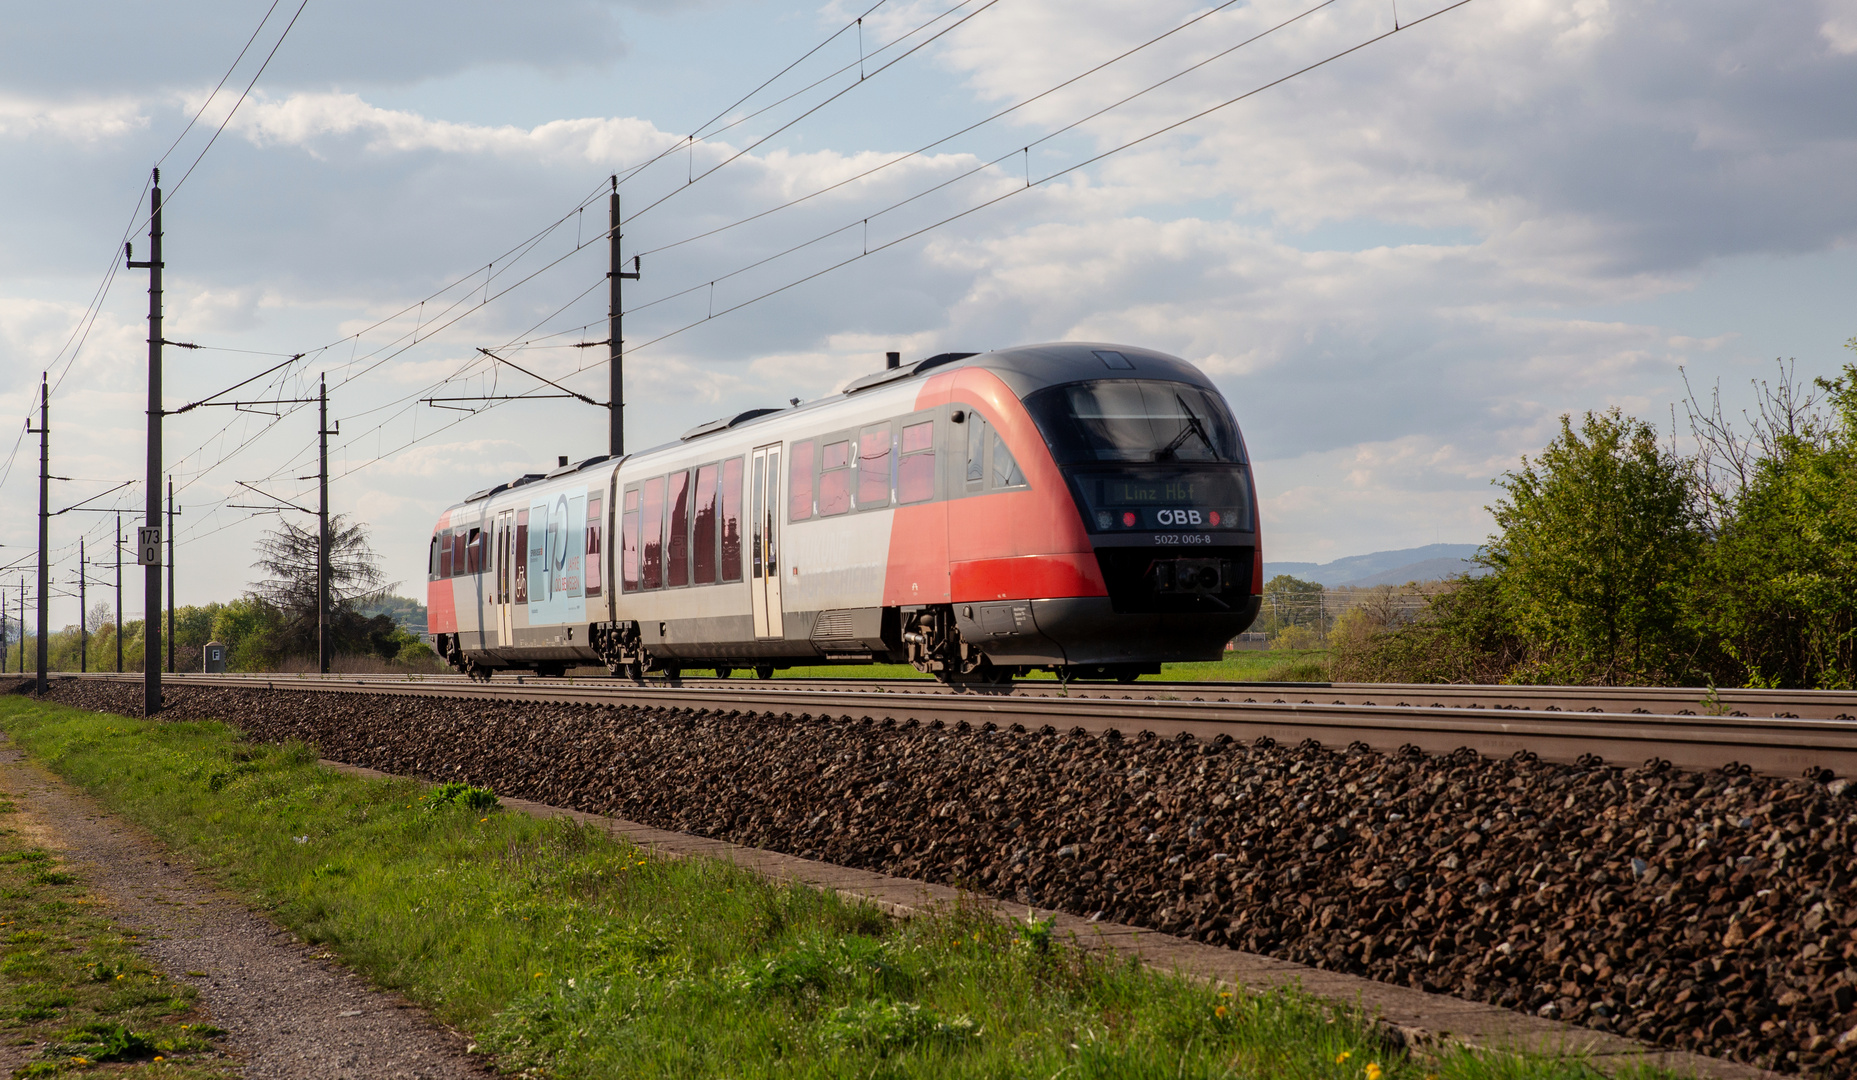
(724, 672)
(673, 675)
(636, 670)
(1128, 674)
(765, 671)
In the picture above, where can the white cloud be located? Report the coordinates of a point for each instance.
(1840, 26)
(79, 121)
(305, 118)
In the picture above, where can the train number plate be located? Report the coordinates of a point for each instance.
(1183, 538)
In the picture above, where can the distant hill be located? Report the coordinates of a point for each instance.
(1433, 562)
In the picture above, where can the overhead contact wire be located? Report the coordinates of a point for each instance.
(1029, 186)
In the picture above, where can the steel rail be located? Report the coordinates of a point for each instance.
(1774, 746)
(1656, 700)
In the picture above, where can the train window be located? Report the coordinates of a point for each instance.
(915, 474)
(761, 511)
(544, 533)
(835, 478)
(732, 519)
(444, 553)
(651, 535)
(770, 549)
(522, 564)
(628, 543)
(1135, 420)
(677, 531)
(458, 556)
(1006, 472)
(502, 563)
(432, 559)
(596, 544)
(976, 450)
(703, 528)
(874, 467)
(474, 553)
(799, 482)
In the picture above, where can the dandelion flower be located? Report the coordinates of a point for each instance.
(1343, 1056)
(1220, 1012)
(1373, 1070)
(538, 974)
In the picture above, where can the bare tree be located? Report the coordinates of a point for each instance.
(1785, 414)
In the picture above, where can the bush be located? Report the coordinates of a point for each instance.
(1462, 636)
(1620, 561)
(1776, 594)
(1297, 639)
(251, 629)
(1598, 544)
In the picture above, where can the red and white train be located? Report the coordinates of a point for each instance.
(1084, 508)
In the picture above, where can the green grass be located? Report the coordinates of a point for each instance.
(567, 953)
(72, 984)
(1260, 666)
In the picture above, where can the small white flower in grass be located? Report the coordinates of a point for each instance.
(300, 839)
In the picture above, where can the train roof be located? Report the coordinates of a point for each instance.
(1025, 369)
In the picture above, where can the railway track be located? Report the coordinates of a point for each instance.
(1620, 726)
(1637, 700)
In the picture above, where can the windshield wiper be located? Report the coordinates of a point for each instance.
(1193, 427)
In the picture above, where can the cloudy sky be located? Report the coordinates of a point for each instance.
(1401, 266)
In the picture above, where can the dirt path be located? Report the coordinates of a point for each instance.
(289, 1013)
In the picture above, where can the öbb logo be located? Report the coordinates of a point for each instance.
(1178, 517)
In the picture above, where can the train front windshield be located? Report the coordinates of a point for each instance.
(1147, 455)
(1135, 420)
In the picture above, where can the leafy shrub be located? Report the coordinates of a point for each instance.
(453, 793)
(1462, 636)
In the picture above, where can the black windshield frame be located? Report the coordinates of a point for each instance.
(1128, 421)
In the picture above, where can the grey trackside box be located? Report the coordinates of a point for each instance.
(215, 658)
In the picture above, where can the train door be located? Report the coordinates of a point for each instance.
(505, 561)
(764, 541)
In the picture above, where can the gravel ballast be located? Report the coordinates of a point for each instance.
(1711, 912)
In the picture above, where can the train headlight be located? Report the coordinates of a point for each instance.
(1104, 519)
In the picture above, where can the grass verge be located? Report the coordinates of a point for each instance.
(569, 954)
(73, 988)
